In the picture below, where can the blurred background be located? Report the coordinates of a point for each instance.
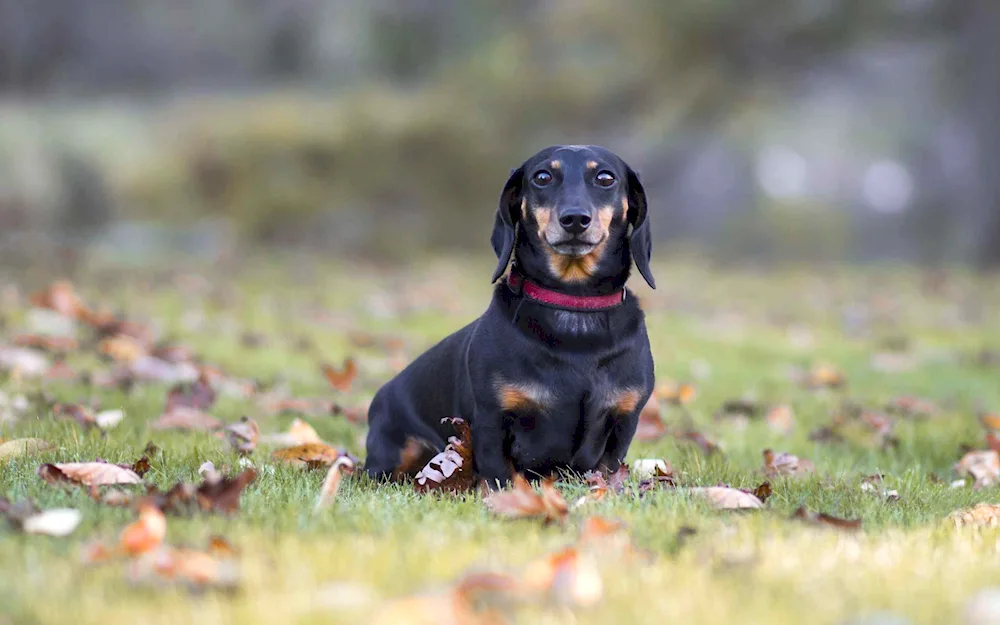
(775, 131)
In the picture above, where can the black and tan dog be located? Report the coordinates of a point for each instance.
(554, 373)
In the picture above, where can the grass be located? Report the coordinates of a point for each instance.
(731, 333)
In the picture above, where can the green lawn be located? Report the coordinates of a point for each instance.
(732, 334)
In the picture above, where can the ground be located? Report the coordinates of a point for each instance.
(730, 333)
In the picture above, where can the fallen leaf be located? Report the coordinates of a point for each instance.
(145, 534)
(25, 447)
(706, 446)
(88, 473)
(452, 468)
(819, 518)
(224, 495)
(344, 378)
(782, 463)
(61, 297)
(762, 492)
(108, 419)
(990, 420)
(311, 455)
(567, 576)
(913, 407)
(122, 348)
(726, 498)
(648, 467)
(661, 478)
(521, 501)
(24, 362)
(982, 466)
(328, 492)
(79, 413)
(781, 419)
(741, 407)
(54, 522)
(198, 395)
(651, 426)
(242, 435)
(299, 433)
(824, 376)
(676, 394)
(980, 515)
(47, 343)
(187, 419)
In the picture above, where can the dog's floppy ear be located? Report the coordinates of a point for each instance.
(508, 214)
(640, 241)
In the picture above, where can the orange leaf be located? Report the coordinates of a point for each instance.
(186, 419)
(343, 379)
(522, 501)
(146, 534)
(980, 515)
(781, 419)
(568, 576)
(309, 455)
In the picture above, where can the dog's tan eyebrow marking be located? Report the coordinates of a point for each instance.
(591, 164)
(625, 401)
(556, 164)
(520, 396)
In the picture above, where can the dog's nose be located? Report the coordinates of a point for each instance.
(574, 220)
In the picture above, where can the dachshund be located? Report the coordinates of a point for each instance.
(553, 375)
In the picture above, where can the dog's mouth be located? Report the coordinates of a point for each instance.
(574, 247)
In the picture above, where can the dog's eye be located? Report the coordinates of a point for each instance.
(542, 178)
(605, 179)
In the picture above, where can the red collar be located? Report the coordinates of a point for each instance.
(517, 282)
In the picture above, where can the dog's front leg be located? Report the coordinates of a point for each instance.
(619, 442)
(488, 447)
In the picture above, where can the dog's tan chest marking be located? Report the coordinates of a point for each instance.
(521, 396)
(624, 401)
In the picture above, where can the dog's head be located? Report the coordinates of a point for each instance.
(574, 215)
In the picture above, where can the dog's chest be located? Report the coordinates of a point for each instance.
(571, 391)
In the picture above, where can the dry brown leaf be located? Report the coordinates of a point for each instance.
(88, 473)
(145, 534)
(311, 455)
(187, 419)
(198, 395)
(726, 498)
(25, 516)
(25, 447)
(122, 348)
(781, 419)
(61, 297)
(521, 501)
(913, 407)
(243, 435)
(47, 343)
(704, 444)
(651, 426)
(982, 466)
(762, 492)
(78, 412)
(990, 420)
(344, 378)
(452, 468)
(782, 463)
(818, 518)
(328, 492)
(980, 515)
